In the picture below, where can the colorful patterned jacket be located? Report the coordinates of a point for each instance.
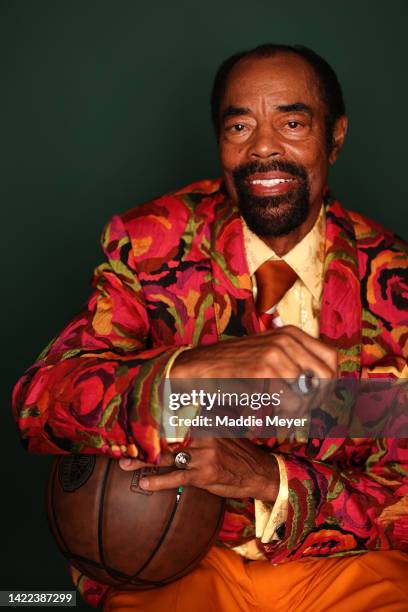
(176, 274)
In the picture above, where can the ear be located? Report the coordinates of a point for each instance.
(339, 134)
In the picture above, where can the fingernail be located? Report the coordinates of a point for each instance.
(125, 462)
(144, 483)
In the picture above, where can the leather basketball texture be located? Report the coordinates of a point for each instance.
(113, 531)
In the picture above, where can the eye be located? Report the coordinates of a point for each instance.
(238, 131)
(237, 127)
(294, 124)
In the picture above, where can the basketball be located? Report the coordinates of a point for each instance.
(116, 533)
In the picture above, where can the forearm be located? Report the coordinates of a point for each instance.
(94, 404)
(95, 388)
(333, 510)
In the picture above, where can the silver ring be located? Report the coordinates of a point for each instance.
(306, 383)
(182, 459)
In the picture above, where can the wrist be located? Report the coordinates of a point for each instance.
(193, 363)
(179, 366)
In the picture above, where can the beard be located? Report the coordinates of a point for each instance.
(273, 216)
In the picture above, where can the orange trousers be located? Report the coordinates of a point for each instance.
(224, 582)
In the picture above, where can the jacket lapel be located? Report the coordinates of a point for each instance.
(341, 311)
(233, 299)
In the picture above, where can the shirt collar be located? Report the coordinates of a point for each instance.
(306, 257)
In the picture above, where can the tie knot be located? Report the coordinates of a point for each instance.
(273, 278)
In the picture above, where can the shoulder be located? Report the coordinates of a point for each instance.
(175, 207)
(156, 229)
(370, 236)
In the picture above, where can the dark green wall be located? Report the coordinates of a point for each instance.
(104, 105)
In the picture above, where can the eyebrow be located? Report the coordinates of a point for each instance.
(295, 108)
(236, 111)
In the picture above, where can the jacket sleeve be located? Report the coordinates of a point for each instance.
(348, 500)
(95, 388)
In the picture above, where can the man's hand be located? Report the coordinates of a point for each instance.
(237, 467)
(284, 352)
(226, 467)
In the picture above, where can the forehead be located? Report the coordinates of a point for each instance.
(284, 78)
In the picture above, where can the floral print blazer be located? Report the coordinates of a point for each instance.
(176, 275)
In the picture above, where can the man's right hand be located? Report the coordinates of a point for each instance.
(284, 352)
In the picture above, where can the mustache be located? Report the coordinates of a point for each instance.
(245, 170)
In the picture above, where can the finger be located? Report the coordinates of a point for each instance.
(307, 355)
(279, 362)
(323, 351)
(130, 464)
(172, 480)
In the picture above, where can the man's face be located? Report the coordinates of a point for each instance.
(273, 145)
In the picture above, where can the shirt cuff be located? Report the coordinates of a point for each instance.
(175, 434)
(269, 517)
(173, 358)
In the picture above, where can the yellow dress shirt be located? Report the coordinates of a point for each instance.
(299, 306)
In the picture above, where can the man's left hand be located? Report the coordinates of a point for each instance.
(234, 468)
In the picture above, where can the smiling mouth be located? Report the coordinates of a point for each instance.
(270, 185)
(271, 182)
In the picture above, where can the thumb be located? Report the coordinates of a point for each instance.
(130, 464)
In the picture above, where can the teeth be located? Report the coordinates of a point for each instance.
(270, 182)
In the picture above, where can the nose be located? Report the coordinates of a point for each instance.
(266, 143)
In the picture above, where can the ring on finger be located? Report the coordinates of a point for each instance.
(306, 383)
(182, 459)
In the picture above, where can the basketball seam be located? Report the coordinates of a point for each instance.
(163, 535)
(103, 565)
(201, 555)
(193, 562)
(156, 548)
(67, 552)
(100, 520)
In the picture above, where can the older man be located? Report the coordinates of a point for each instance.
(261, 274)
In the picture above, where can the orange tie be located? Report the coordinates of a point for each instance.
(273, 278)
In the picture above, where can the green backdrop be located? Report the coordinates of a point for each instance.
(104, 105)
